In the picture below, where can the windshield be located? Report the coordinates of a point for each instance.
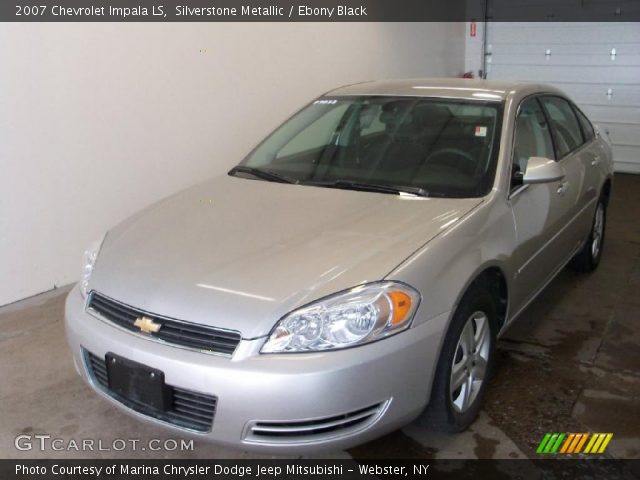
(429, 146)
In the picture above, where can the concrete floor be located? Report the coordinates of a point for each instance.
(570, 363)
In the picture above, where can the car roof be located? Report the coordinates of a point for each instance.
(473, 89)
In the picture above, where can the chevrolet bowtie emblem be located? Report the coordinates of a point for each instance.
(147, 325)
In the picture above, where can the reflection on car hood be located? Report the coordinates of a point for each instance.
(239, 254)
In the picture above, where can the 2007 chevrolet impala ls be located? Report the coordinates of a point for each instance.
(352, 273)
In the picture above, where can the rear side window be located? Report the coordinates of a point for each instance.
(587, 127)
(564, 125)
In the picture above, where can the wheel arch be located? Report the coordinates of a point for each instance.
(492, 276)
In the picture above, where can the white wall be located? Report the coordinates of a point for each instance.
(473, 49)
(99, 120)
(580, 63)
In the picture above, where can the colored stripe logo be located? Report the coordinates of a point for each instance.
(568, 443)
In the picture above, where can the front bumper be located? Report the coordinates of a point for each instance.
(392, 376)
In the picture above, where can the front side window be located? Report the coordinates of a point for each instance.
(532, 136)
(564, 125)
(440, 147)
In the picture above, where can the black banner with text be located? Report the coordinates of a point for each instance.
(317, 10)
(316, 469)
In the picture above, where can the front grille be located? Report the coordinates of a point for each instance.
(316, 429)
(191, 410)
(176, 332)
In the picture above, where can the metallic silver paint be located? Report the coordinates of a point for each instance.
(253, 387)
(240, 254)
(260, 249)
(542, 170)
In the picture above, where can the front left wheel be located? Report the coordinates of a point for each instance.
(470, 361)
(465, 363)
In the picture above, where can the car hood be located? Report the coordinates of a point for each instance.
(239, 254)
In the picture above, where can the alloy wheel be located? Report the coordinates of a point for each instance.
(598, 231)
(470, 361)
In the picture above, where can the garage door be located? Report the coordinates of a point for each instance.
(597, 64)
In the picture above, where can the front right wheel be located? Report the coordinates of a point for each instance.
(465, 363)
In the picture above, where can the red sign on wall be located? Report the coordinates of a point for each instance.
(472, 29)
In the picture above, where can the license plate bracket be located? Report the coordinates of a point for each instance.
(138, 383)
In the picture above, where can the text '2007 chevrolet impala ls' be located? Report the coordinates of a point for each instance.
(351, 274)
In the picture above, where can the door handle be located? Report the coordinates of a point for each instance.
(595, 161)
(562, 188)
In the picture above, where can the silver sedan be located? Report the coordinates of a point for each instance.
(352, 273)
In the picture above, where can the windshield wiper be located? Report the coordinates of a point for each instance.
(371, 187)
(262, 174)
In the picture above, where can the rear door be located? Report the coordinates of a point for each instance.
(595, 156)
(577, 157)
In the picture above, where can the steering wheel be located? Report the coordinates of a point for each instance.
(461, 155)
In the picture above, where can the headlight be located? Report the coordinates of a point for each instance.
(357, 316)
(89, 260)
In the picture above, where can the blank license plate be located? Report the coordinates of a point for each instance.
(137, 382)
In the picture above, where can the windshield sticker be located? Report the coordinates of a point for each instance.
(481, 131)
(325, 102)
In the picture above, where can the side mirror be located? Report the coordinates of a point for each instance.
(542, 170)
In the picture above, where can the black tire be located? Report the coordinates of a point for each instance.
(588, 258)
(441, 413)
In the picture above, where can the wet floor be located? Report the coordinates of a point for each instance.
(571, 363)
